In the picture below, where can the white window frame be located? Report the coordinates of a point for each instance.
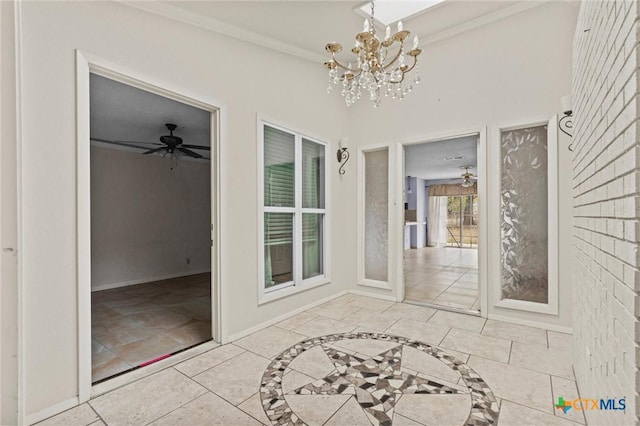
(298, 284)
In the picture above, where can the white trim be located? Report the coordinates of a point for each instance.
(483, 184)
(531, 323)
(119, 381)
(21, 415)
(361, 278)
(298, 284)
(551, 307)
(219, 27)
(375, 295)
(109, 286)
(87, 63)
(51, 411)
(210, 24)
(272, 321)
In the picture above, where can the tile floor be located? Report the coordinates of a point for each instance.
(446, 276)
(134, 324)
(460, 369)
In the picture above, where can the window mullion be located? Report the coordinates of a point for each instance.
(297, 237)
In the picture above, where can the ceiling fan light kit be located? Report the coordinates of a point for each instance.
(467, 177)
(380, 65)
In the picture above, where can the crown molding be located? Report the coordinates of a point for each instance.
(481, 21)
(213, 25)
(216, 26)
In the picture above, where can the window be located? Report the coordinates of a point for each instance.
(462, 220)
(294, 211)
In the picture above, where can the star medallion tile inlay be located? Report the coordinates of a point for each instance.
(376, 382)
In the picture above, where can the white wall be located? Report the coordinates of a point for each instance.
(241, 78)
(513, 71)
(606, 173)
(146, 219)
(8, 223)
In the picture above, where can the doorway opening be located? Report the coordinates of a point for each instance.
(151, 226)
(441, 221)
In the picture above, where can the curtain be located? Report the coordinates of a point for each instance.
(452, 189)
(437, 221)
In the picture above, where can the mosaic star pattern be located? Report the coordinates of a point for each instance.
(376, 382)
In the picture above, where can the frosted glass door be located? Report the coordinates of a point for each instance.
(524, 215)
(376, 215)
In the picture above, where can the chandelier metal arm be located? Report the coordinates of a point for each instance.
(393, 61)
(415, 62)
(338, 64)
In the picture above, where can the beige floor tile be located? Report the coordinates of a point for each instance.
(435, 409)
(399, 420)
(296, 320)
(147, 349)
(293, 380)
(515, 332)
(421, 294)
(459, 291)
(568, 390)
(466, 301)
(190, 334)
(520, 385)
(421, 331)
(270, 341)
(316, 409)
(422, 362)
(551, 361)
(209, 359)
(334, 310)
(78, 416)
(453, 319)
(461, 306)
(560, 341)
(372, 319)
(313, 362)
(147, 399)
(412, 312)
(466, 283)
(371, 303)
(516, 415)
(106, 364)
(207, 409)
(253, 407)
(367, 347)
(160, 319)
(350, 414)
(321, 326)
(236, 379)
(477, 344)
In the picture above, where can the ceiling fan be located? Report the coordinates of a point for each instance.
(169, 144)
(467, 177)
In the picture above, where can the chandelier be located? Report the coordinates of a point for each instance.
(380, 66)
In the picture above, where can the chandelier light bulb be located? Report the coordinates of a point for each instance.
(377, 67)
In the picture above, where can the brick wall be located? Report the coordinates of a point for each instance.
(606, 181)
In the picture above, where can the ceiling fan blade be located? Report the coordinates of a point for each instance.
(142, 143)
(152, 151)
(189, 152)
(196, 146)
(118, 143)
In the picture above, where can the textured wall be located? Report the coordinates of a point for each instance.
(605, 180)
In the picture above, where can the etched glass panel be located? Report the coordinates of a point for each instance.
(524, 215)
(376, 211)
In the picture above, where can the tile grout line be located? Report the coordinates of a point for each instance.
(97, 414)
(215, 365)
(510, 350)
(339, 408)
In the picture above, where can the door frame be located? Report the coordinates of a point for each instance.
(483, 243)
(87, 64)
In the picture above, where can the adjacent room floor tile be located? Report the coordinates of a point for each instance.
(147, 399)
(147, 349)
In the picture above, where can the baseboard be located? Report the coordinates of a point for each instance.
(51, 411)
(147, 280)
(536, 324)
(374, 295)
(272, 321)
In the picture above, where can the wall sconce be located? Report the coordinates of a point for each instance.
(343, 157)
(566, 121)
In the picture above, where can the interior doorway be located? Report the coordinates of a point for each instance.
(151, 219)
(441, 223)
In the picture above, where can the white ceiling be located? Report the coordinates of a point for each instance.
(427, 160)
(120, 112)
(304, 27)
